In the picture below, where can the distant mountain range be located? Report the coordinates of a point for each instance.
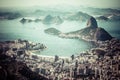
(9, 15)
(68, 13)
(79, 16)
(100, 11)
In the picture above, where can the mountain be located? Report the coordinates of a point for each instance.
(52, 20)
(102, 35)
(9, 15)
(102, 18)
(90, 33)
(99, 11)
(109, 17)
(114, 17)
(57, 20)
(79, 16)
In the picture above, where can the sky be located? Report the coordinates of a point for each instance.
(87, 3)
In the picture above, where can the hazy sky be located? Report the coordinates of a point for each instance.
(94, 3)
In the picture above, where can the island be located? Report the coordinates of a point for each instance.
(25, 20)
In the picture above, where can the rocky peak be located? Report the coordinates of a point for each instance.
(102, 35)
(92, 23)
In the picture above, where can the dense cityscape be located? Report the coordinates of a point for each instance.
(100, 63)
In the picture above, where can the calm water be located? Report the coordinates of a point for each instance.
(13, 29)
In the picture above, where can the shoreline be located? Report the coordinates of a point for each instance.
(45, 56)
